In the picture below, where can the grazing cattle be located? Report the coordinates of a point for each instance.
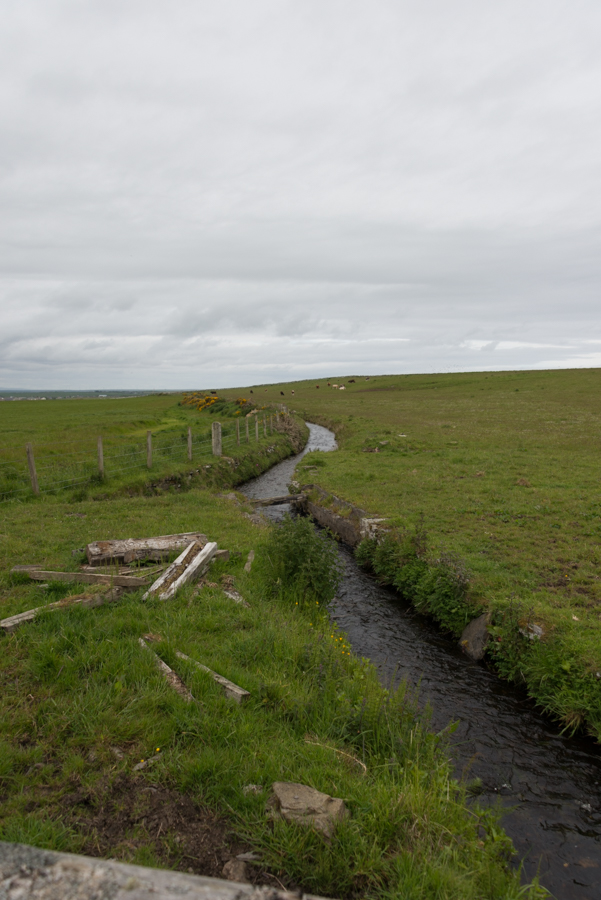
(213, 392)
(317, 386)
(329, 385)
(351, 381)
(335, 386)
(291, 392)
(342, 388)
(282, 393)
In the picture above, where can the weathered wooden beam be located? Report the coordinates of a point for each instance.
(87, 601)
(126, 581)
(231, 690)
(274, 501)
(236, 597)
(249, 561)
(172, 679)
(131, 549)
(189, 565)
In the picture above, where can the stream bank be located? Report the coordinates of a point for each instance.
(548, 782)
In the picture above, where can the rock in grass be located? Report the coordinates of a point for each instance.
(235, 870)
(475, 637)
(306, 806)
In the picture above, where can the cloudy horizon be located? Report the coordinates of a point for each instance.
(230, 194)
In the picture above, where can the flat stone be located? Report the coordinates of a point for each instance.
(305, 806)
(475, 637)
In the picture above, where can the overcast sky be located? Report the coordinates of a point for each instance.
(199, 194)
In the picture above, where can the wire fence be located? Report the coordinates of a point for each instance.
(53, 466)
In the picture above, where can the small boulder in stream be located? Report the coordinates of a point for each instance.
(475, 637)
(306, 806)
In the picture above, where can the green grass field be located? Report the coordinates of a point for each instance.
(505, 469)
(82, 704)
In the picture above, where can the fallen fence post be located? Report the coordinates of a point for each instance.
(32, 472)
(131, 549)
(87, 601)
(100, 457)
(247, 434)
(236, 597)
(189, 564)
(238, 431)
(149, 449)
(169, 675)
(190, 444)
(216, 435)
(38, 574)
(231, 690)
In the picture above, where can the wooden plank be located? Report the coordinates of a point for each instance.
(131, 549)
(231, 690)
(172, 679)
(189, 565)
(87, 601)
(127, 581)
(236, 597)
(273, 501)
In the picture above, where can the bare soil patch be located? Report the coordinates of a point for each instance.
(130, 815)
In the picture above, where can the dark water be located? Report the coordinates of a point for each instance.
(549, 783)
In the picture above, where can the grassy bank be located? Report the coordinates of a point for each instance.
(499, 472)
(82, 704)
(64, 439)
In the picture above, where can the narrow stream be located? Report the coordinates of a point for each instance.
(549, 783)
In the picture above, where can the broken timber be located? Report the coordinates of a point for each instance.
(132, 549)
(38, 574)
(231, 690)
(188, 565)
(236, 597)
(87, 601)
(169, 675)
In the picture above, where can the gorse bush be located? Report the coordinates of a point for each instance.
(301, 561)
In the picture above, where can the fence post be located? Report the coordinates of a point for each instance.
(216, 438)
(100, 457)
(247, 434)
(271, 424)
(189, 443)
(32, 472)
(149, 449)
(264, 425)
(256, 428)
(238, 431)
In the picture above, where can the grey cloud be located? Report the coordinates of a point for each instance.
(230, 192)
